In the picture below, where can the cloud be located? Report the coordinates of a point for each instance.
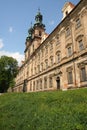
(1, 43)
(51, 22)
(19, 57)
(10, 29)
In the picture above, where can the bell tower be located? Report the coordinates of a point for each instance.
(36, 35)
(28, 43)
(39, 29)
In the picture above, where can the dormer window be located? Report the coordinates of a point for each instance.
(67, 8)
(66, 13)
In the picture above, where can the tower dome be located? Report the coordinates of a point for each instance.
(30, 31)
(39, 19)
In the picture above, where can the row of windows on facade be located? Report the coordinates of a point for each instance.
(45, 65)
(40, 67)
(68, 32)
(78, 24)
(38, 84)
(82, 72)
(58, 58)
(69, 50)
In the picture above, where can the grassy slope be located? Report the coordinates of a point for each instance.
(44, 110)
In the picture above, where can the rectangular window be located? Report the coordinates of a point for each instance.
(58, 56)
(57, 42)
(45, 82)
(51, 60)
(78, 23)
(69, 51)
(83, 74)
(40, 84)
(81, 47)
(67, 31)
(34, 86)
(70, 77)
(50, 82)
(37, 85)
(30, 86)
(46, 64)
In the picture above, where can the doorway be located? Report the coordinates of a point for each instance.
(58, 82)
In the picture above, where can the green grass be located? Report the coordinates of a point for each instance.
(55, 110)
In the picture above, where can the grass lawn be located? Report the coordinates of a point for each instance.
(55, 110)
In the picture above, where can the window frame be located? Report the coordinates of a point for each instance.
(81, 44)
(83, 77)
(58, 54)
(70, 75)
(78, 23)
(69, 50)
(50, 82)
(68, 32)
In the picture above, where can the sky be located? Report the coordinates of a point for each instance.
(15, 20)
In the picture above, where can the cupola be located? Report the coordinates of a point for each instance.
(39, 19)
(30, 32)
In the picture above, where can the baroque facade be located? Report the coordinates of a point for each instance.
(58, 60)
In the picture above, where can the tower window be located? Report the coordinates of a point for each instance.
(33, 47)
(40, 33)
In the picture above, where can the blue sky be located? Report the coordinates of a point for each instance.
(16, 17)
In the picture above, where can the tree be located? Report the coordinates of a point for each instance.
(8, 71)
